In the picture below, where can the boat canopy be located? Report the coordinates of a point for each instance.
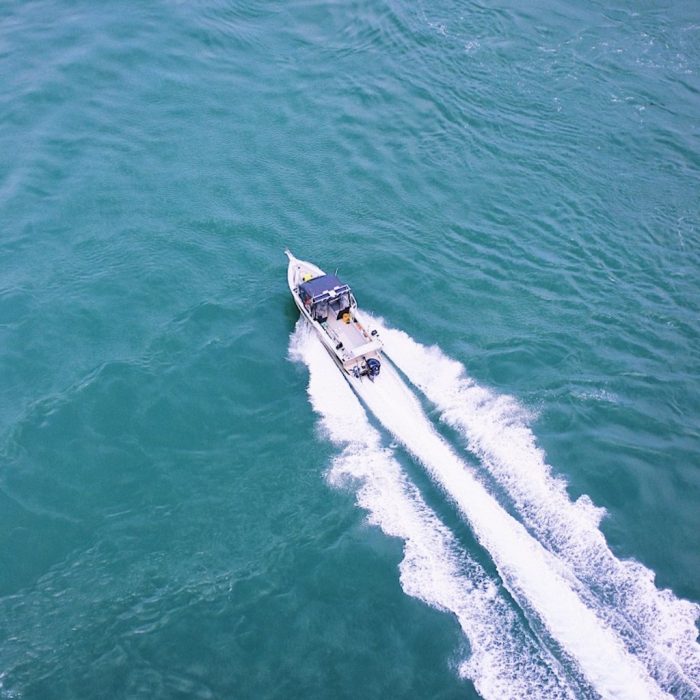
(324, 295)
(322, 288)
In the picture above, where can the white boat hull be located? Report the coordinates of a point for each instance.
(355, 348)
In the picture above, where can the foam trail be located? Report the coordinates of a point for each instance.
(529, 571)
(505, 661)
(658, 627)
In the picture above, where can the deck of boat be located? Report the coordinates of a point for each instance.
(349, 334)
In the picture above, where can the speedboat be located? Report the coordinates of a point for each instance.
(330, 307)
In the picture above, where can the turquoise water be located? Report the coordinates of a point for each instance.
(192, 505)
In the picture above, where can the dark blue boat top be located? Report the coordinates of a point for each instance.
(320, 285)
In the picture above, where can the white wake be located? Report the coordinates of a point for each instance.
(531, 573)
(505, 661)
(654, 625)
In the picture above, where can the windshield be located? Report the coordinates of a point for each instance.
(340, 305)
(319, 311)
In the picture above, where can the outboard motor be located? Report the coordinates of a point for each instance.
(373, 367)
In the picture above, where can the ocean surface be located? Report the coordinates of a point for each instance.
(195, 504)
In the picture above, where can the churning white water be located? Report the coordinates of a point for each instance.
(655, 625)
(505, 661)
(532, 574)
